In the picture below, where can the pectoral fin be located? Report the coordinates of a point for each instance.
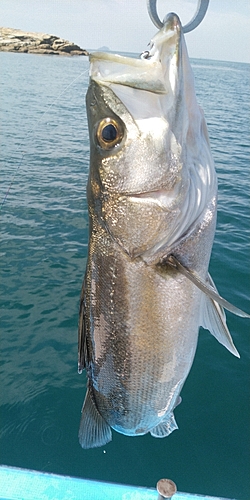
(94, 430)
(164, 428)
(205, 287)
(213, 318)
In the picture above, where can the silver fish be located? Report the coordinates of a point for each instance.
(152, 193)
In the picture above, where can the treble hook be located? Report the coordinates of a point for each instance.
(195, 21)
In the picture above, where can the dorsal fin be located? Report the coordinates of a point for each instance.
(94, 430)
(82, 333)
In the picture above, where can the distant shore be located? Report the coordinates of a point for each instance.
(15, 40)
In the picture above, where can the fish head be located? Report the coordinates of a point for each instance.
(146, 132)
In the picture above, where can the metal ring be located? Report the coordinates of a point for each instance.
(195, 21)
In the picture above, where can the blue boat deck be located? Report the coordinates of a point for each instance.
(22, 484)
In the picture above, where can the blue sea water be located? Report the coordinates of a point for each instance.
(44, 234)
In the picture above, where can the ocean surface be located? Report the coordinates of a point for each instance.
(44, 235)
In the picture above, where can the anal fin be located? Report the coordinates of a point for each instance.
(164, 428)
(94, 430)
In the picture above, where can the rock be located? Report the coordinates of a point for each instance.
(68, 47)
(14, 40)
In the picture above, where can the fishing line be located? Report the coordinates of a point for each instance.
(31, 132)
(12, 180)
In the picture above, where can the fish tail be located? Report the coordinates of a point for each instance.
(164, 428)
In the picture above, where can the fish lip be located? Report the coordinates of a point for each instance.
(117, 58)
(141, 194)
(162, 197)
(146, 194)
(109, 70)
(171, 23)
(147, 73)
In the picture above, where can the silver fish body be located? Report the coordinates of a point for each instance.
(152, 193)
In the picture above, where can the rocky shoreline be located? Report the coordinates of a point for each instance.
(14, 40)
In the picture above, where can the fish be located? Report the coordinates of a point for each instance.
(152, 199)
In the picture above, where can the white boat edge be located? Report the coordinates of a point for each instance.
(48, 486)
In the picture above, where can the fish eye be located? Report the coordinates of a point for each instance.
(109, 133)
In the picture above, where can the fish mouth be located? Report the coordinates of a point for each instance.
(147, 73)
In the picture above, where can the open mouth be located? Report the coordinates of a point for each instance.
(147, 73)
(140, 74)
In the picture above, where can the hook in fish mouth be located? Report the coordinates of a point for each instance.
(147, 73)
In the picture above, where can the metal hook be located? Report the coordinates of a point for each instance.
(195, 21)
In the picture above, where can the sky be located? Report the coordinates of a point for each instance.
(125, 26)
